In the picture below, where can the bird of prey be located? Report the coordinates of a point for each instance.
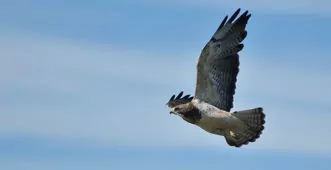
(217, 70)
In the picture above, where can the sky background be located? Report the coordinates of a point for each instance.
(84, 84)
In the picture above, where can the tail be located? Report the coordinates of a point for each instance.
(253, 126)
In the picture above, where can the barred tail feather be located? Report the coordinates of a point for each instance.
(254, 120)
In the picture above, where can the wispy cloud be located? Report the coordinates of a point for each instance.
(265, 6)
(110, 95)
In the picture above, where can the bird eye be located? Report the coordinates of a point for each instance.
(176, 109)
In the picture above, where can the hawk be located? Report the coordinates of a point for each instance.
(217, 70)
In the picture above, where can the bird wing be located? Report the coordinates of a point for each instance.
(218, 63)
(175, 101)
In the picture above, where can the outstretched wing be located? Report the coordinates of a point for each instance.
(218, 64)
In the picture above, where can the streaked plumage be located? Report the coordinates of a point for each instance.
(217, 70)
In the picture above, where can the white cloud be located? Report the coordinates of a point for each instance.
(80, 91)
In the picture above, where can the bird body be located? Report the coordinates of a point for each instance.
(212, 118)
(217, 70)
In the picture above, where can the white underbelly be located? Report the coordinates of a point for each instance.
(215, 125)
(213, 119)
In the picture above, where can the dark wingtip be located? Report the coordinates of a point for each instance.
(243, 19)
(172, 97)
(238, 11)
(222, 23)
(245, 13)
(234, 16)
(248, 16)
(180, 95)
(174, 101)
(186, 97)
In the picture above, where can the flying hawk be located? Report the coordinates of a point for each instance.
(217, 70)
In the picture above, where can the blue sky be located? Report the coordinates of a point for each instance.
(84, 84)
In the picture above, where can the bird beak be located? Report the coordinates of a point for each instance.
(171, 112)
